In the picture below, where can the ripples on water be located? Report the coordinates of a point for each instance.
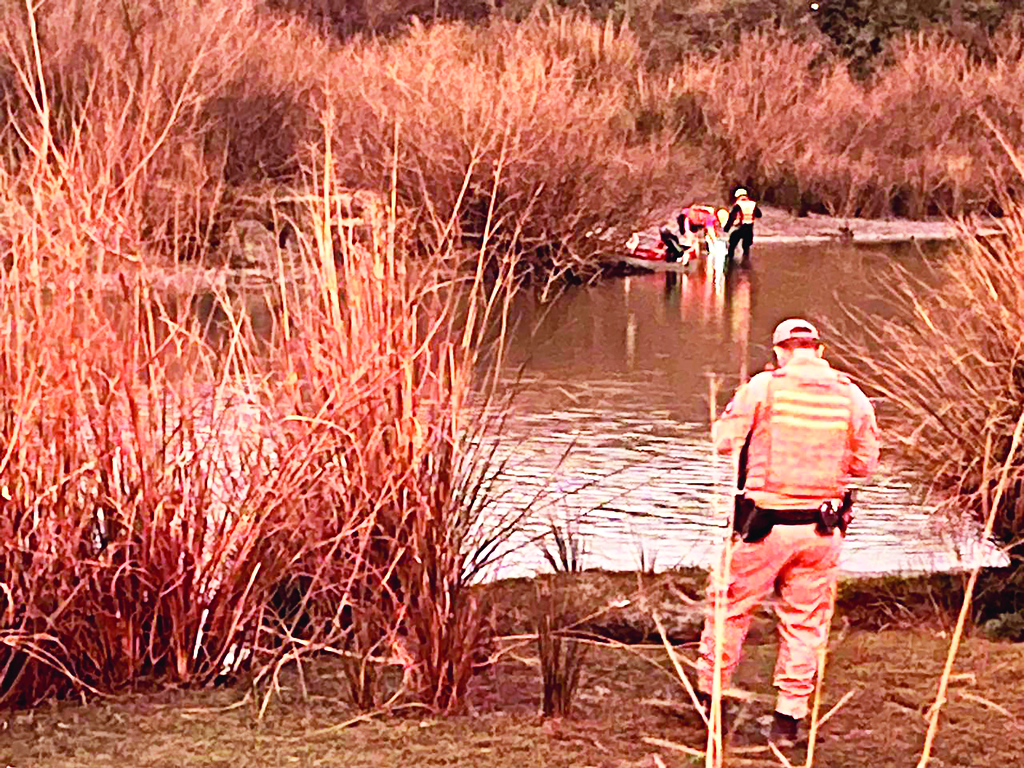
(617, 373)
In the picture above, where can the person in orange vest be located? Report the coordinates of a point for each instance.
(698, 222)
(802, 430)
(744, 212)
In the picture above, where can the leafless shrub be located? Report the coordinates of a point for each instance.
(179, 504)
(946, 355)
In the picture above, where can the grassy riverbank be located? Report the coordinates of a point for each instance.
(889, 673)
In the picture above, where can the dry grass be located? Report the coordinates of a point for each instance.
(891, 673)
(176, 125)
(789, 120)
(184, 502)
(561, 656)
(948, 362)
(947, 359)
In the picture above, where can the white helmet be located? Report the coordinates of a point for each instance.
(741, 192)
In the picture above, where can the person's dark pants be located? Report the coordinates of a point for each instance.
(673, 248)
(744, 233)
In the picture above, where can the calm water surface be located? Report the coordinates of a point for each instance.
(610, 428)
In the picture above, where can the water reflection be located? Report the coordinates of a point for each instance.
(618, 372)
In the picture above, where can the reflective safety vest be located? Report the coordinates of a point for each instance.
(747, 208)
(699, 215)
(807, 430)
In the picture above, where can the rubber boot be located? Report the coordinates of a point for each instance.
(784, 731)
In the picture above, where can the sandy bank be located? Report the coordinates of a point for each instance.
(778, 225)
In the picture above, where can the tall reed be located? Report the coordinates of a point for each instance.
(188, 492)
(561, 656)
(946, 356)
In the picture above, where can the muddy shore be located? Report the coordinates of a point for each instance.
(778, 225)
(631, 709)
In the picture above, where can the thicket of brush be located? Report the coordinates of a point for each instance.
(947, 358)
(197, 118)
(194, 119)
(665, 28)
(907, 141)
(185, 495)
(859, 30)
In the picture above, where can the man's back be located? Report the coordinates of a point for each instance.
(811, 429)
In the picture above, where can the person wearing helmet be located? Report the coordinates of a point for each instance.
(802, 430)
(744, 212)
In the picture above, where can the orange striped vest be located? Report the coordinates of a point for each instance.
(809, 414)
(699, 214)
(747, 208)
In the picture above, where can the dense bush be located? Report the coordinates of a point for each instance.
(858, 29)
(861, 29)
(188, 116)
(907, 142)
(947, 360)
(184, 123)
(183, 499)
(345, 18)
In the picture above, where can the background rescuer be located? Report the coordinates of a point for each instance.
(743, 214)
(805, 429)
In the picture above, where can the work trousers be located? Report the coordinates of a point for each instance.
(744, 234)
(800, 564)
(674, 249)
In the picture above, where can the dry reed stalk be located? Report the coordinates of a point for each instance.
(822, 655)
(987, 704)
(783, 760)
(443, 625)
(720, 580)
(680, 672)
(674, 746)
(836, 707)
(721, 575)
(954, 645)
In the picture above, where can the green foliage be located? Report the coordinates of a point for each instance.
(1006, 626)
(860, 29)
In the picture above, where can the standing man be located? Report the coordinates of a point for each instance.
(744, 212)
(806, 429)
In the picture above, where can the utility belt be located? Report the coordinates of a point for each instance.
(754, 523)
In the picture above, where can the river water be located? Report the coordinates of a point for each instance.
(608, 430)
